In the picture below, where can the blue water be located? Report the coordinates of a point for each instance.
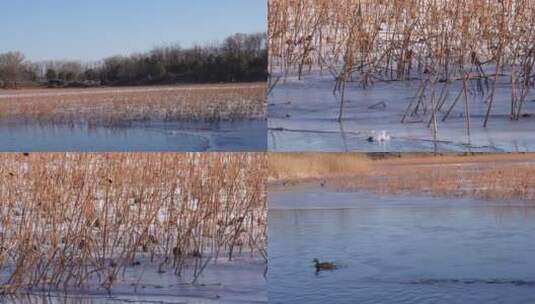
(248, 135)
(399, 249)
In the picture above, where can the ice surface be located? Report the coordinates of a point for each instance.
(239, 281)
(249, 135)
(303, 117)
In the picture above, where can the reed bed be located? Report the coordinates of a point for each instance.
(68, 221)
(456, 51)
(296, 167)
(118, 106)
(490, 180)
(486, 176)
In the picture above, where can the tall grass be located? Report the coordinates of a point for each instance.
(294, 167)
(72, 220)
(471, 43)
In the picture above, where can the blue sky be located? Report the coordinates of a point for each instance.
(93, 29)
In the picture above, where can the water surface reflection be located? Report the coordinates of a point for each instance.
(399, 249)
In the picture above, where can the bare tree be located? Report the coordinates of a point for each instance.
(11, 67)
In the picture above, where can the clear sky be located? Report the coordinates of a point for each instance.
(90, 30)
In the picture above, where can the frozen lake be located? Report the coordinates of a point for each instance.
(399, 249)
(303, 117)
(247, 135)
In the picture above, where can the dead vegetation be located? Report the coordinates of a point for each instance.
(487, 176)
(292, 167)
(458, 51)
(72, 220)
(118, 106)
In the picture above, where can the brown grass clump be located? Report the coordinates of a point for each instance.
(116, 106)
(487, 176)
(71, 220)
(294, 167)
(437, 42)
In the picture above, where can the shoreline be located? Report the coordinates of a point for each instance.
(44, 91)
(114, 105)
(488, 176)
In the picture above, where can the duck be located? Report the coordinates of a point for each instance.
(381, 137)
(323, 265)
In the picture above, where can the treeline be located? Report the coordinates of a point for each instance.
(239, 58)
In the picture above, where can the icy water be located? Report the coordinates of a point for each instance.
(140, 137)
(240, 281)
(399, 249)
(303, 117)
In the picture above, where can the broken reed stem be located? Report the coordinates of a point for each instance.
(466, 108)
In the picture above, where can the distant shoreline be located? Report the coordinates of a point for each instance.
(108, 106)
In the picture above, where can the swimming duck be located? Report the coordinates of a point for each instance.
(323, 265)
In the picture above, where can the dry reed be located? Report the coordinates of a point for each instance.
(293, 167)
(117, 106)
(475, 43)
(72, 220)
(488, 176)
